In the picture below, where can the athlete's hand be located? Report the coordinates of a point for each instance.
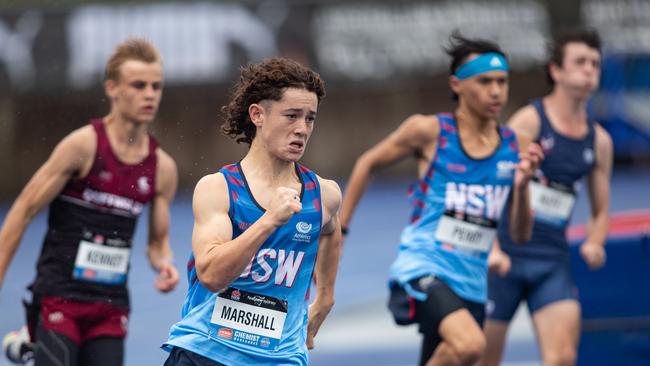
(499, 262)
(167, 278)
(594, 255)
(317, 314)
(528, 163)
(283, 205)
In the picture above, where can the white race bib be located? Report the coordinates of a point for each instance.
(102, 258)
(249, 318)
(551, 202)
(101, 263)
(465, 235)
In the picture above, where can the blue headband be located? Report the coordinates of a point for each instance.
(484, 63)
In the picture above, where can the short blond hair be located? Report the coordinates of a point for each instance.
(132, 49)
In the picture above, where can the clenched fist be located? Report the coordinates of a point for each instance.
(283, 205)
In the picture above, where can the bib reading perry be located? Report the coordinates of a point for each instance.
(468, 233)
(249, 318)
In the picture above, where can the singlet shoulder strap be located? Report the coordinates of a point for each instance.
(447, 123)
(543, 117)
(153, 144)
(235, 185)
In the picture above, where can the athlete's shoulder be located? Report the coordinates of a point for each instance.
(211, 193)
(166, 163)
(602, 141)
(424, 127)
(330, 193)
(79, 145)
(526, 121)
(211, 181)
(166, 173)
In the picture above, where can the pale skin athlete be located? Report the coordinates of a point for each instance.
(480, 101)
(557, 325)
(283, 130)
(134, 97)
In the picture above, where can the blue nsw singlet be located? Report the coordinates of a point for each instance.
(553, 191)
(261, 318)
(456, 208)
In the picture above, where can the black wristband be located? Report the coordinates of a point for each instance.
(344, 230)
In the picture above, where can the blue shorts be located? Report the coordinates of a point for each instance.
(538, 281)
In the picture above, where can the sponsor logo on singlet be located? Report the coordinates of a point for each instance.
(112, 201)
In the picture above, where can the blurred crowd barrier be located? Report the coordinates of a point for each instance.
(382, 61)
(615, 300)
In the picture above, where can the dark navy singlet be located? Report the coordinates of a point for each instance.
(86, 251)
(553, 191)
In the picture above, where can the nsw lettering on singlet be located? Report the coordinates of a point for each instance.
(471, 215)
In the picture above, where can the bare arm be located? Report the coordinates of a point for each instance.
(526, 124)
(598, 185)
(327, 260)
(220, 259)
(159, 251)
(521, 216)
(74, 153)
(413, 135)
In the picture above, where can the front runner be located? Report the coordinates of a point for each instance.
(262, 228)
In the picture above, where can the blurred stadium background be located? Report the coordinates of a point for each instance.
(382, 61)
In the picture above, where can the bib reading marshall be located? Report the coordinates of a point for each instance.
(249, 318)
(456, 208)
(260, 319)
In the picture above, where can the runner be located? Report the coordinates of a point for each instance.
(575, 147)
(96, 182)
(467, 165)
(263, 228)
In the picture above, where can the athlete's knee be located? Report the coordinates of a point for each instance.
(470, 349)
(564, 356)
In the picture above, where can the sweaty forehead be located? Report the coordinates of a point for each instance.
(299, 98)
(135, 69)
(580, 49)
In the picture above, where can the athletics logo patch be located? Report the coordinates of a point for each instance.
(303, 227)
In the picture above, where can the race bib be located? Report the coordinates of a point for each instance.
(100, 263)
(465, 234)
(553, 204)
(249, 318)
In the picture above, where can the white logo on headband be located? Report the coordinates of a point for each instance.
(495, 62)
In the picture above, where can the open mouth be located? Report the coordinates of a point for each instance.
(297, 145)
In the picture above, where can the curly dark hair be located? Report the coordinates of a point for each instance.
(266, 80)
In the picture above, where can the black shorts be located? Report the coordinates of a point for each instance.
(441, 301)
(182, 357)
